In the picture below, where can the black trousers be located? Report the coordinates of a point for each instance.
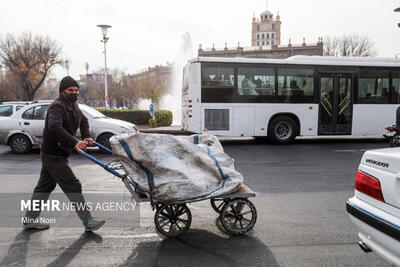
(56, 170)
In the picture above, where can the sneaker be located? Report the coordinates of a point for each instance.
(36, 226)
(93, 224)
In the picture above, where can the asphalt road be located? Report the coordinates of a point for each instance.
(301, 194)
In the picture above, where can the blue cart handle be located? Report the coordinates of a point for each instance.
(102, 147)
(86, 155)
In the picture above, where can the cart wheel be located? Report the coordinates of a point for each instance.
(218, 203)
(173, 220)
(238, 216)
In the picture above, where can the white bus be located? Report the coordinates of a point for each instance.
(285, 98)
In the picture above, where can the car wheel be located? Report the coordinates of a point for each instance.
(104, 140)
(282, 130)
(394, 141)
(20, 144)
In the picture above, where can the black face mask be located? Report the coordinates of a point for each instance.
(71, 98)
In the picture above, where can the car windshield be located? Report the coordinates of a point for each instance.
(92, 112)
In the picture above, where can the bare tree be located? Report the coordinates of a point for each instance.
(151, 87)
(9, 90)
(30, 59)
(349, 46)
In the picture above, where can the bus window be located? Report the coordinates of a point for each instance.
(256, 81)
(218, 77)
(217, 84)
(296, 85)
(373, 87)
(185, 81)
(394, 95)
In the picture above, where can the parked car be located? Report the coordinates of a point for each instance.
(9, 108)
(375, 206)
(23, 130)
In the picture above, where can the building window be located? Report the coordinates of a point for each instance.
(263, 43)
(262, 36)
(272, 36)
(258, 27)
(272, 42)
(273, 26)
(258, 37)
(267, 35)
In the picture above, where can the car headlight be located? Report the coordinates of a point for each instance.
(124, 129)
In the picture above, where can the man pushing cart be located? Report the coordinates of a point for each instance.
(172, 171)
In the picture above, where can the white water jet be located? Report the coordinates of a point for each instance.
(144, 104)
(173, 99)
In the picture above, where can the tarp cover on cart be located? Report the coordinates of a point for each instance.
(177, 168)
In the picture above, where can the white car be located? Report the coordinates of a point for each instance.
(9, 108)
(23, 130)
(375, 206)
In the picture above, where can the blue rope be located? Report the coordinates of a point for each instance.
(224, 177)
(218, 166)
(149, 174)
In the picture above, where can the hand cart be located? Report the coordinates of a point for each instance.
(173, 218)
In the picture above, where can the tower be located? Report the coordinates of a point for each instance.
(266, 30)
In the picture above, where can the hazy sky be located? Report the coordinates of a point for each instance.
(146, 33)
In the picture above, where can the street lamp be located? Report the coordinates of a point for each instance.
(104, 29)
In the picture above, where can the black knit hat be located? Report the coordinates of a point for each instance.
(67, 82)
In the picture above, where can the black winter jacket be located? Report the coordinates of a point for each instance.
(62, 122)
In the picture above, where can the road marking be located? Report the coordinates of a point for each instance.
(145, 235)
(260, 162)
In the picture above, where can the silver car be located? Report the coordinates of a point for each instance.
(23, 130)
(9, 108)
(375, 206)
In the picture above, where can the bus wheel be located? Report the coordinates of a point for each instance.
(282, 130)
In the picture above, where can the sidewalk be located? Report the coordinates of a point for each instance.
(173, 129)
(177, 130)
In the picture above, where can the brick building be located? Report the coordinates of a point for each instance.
(157, 73)
(266, 30)
(265, 42)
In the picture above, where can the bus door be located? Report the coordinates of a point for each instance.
(335, 104)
